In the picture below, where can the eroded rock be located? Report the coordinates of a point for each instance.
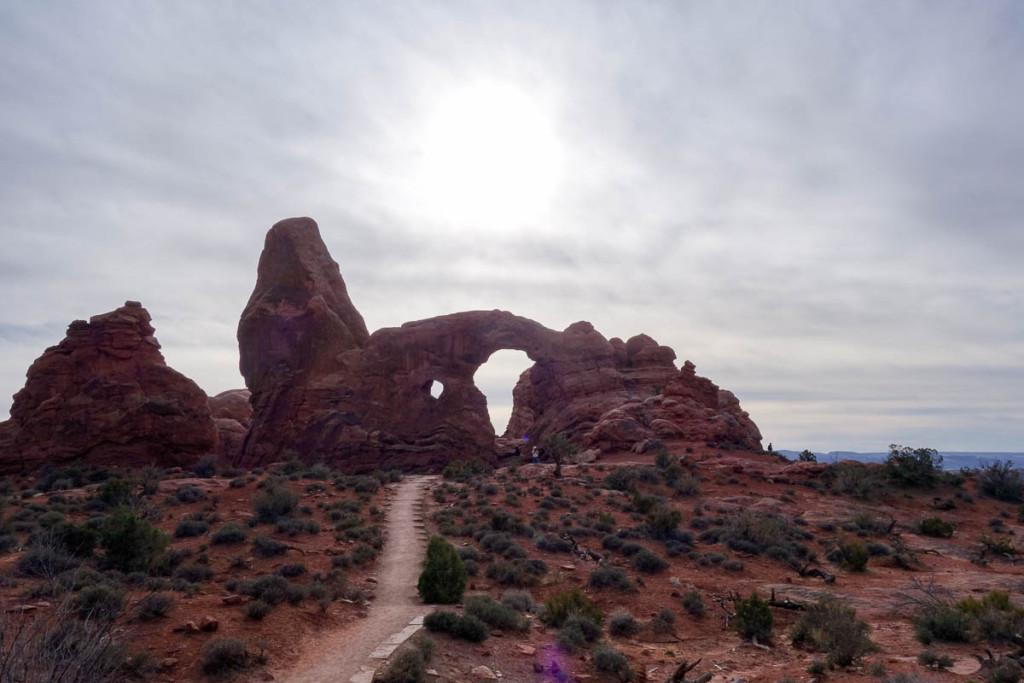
(105, 396)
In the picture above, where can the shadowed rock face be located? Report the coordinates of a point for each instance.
(325, 390)
(105, 396)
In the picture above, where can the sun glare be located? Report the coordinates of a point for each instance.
(491, 159)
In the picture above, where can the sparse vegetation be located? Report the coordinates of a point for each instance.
(754, 619)
(463, 627)
(832, 627)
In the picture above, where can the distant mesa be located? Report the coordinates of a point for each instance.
(321, 388)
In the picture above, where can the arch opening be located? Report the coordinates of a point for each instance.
(495, 379)
(436, 389)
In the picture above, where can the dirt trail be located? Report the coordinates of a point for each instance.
(340, 655)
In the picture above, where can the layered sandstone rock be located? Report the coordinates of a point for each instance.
(104, 395)
(232, 417)
(322, 389)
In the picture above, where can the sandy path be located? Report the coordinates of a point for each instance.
(340, 655)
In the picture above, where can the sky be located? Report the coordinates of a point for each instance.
(819, 204)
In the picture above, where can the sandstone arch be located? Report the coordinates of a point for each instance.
(325, 390)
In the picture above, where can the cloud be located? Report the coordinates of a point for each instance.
(813, 201)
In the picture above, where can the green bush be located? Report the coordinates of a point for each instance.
(268, 547)
(610, 661)
(189, 494)
(611, 577)
(519, 573)
(188, 528)
(913, 467)
(621, 479)
(649, 562)
(130, 542)
(663, 522)
(115, 492)
(519, 600)
(832, 627)
(754, 619)
(933, 660)
(258, 609)
(935, 526)
(232, 532)
(222, 655)
(1002, 482)
(154, 606)
(275, 501)
(494, 613)
(623, 625)
(443, 579)
(694, 603)
(100, 601)
(576, 632)
(409, 665)
(561, 606)
(854, 555)
(463, 627)
(463, 470)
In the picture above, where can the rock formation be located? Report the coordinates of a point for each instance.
(325, 390)
(232, 416)
(104, 395)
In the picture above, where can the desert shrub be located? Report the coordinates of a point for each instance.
(275, 501)
(494, 613)
(629, 549)
(853, 555)
(933, 660)
(649, 562)
(621, 479)
(935, 526)
(763, 533)
(130, 542)
(463, 627)
(913, 467)
(552, 544)
(194, 573)
(754, 619)
(189, 494)
(831, 626)
(115, 492)
(663, 522)
(443, 579)
(611, 577)
(154, 606)
(290, 571)
(733, 565)
(610, 661)
(257, 609)
(686, 485)
(188, 528)
(694, 603)
(1001, 481)
(612, 542)
(576, 632)
(464, 470)
(561, 605)
(408, 665)
(518, 600)
(232, 532)
(45, 561)
(265, 546)
(363, 554)
(100, 601)
(807, 456)
(206, 466)
(519, 573)
(222, 655)
(664, 621)
(941, 620)
(994, 617)
(623, 625)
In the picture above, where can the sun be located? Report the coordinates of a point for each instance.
(490, 158)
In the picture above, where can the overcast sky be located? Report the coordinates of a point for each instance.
(821, 204)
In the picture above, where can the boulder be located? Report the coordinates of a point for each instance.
(232, 417)
(105, 396)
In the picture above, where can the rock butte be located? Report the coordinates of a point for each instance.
(323, 389)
